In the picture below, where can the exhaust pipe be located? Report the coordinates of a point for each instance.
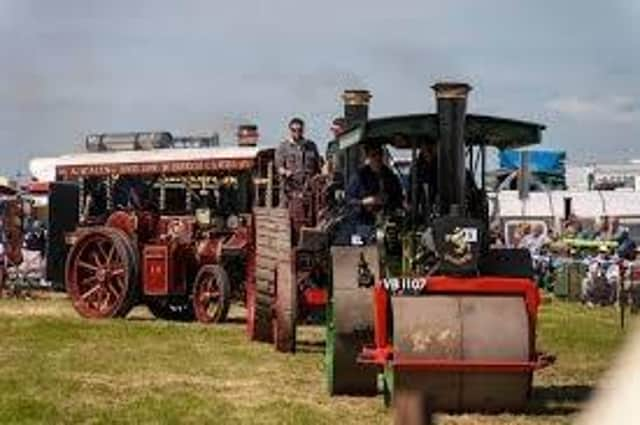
(356, 106)
(356, 111)
(247, 135)
(451, 100)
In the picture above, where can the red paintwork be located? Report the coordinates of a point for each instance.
(127, 222)
(385, 356)
(157, 272)
(163, 269)
(239, 240)
(36, 188)
(380, 323)
(634, 272)
(208, 251)
(382, 352)
(315, 297)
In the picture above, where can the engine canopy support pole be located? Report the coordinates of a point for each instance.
(163, 193)
(109, 193)
(81, 201)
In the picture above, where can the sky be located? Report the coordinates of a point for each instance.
(73, 67)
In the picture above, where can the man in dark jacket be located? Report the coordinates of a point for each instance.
(297, 158)
(374, 188)
(426, 173)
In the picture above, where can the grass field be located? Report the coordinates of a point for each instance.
(58, 368)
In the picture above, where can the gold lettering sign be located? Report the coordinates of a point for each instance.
(172, 167)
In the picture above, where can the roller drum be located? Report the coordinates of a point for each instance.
(469, 328)
(350, 323)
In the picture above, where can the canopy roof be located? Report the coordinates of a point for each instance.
(404, 130)
(161, 161)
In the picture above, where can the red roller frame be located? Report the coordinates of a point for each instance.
(382, 352)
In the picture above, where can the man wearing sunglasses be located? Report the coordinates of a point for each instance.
(297, 158)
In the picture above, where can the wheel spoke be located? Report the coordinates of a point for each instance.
(113, 290)
(117, 272)
(85, 265)
(88, 281)
(96, 258)
(211, 294)
(104, 255)
(98, 300)
(112, 251)
(105, 302)
(90, 292)
(211, 283)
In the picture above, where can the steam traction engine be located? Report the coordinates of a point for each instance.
(291, 274)
(421, 308)
(292, 241)
(170, 228)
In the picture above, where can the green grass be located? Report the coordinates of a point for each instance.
(58, 368)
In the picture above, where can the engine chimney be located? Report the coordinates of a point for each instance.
(451, 99)
(356, 111)
(247, 135)
(356, 106)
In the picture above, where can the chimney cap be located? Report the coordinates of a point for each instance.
(247, 128)
(451, 89)
(247, 135)
(356, 97)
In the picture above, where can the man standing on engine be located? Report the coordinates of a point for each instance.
(297, 159)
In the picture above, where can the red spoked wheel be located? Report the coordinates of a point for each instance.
(211, 294)
(101, 274)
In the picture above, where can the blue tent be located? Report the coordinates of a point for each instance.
(548, 162)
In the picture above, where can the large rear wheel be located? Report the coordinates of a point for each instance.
(286, 308)
(102, 274)
(261, 301)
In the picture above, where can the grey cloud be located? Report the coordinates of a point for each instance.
(610, 108)
(75, 66)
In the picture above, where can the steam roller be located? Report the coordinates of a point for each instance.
(422, 308)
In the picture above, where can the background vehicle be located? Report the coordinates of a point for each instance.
(170, 228)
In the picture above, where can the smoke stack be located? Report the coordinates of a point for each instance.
(356, 106)
(356, 111)
(247, 135)
(451, 99)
